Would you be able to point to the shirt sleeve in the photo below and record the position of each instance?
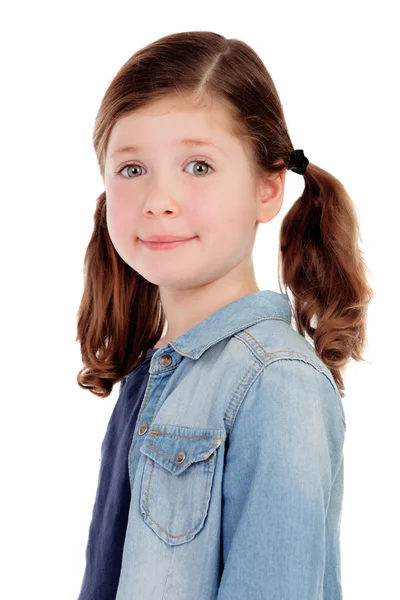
(285, 451)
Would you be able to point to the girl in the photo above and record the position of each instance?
(222, 465)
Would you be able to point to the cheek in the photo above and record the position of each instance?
(120, 221)
(120, 204)
(204, 211)
(195, 218)
(235, 226)
(214, 223)
(114, 214)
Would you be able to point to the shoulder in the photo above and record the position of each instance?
(291, 417)
(286, 372)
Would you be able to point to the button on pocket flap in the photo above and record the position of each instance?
(175, 447)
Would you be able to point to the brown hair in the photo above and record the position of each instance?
(120, 315)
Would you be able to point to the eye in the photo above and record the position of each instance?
(131, 164)
(126, 166)
(200, 162)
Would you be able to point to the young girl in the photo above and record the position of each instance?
(222, 465)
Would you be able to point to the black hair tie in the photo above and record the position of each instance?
(298, 162)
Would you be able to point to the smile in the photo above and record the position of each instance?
(164, 245)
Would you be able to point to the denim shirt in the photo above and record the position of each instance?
(236, 464)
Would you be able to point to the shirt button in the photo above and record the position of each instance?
(143, 428)
(165, 360)
(180, 457)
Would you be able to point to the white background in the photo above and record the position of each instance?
(336, 69)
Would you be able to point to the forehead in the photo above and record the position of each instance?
(173, 122)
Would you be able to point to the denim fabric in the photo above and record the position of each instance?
(236, 465)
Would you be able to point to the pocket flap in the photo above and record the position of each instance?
(175, 447)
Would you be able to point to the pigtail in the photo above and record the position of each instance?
(120, 315)
(322, 264)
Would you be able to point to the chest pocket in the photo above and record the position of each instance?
(177, 479)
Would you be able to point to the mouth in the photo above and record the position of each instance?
(165, 245)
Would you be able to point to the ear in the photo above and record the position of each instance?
(270, 196)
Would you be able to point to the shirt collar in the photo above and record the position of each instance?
(233, 317)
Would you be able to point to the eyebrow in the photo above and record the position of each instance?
(185, 142)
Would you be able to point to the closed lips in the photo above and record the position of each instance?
(167, 239)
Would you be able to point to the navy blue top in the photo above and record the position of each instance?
(111, 507)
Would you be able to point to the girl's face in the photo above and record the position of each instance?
(167, 190)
